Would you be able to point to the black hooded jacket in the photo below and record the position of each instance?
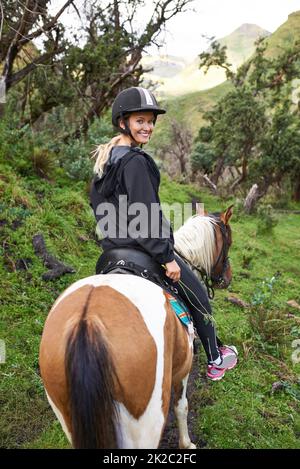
(129, 178)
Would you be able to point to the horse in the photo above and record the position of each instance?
(112, 349)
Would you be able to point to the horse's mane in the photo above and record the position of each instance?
(195, 240)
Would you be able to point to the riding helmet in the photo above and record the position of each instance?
(132, 100)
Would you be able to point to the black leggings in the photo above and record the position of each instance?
(198, 299)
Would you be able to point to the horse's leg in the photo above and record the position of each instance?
(181, 412)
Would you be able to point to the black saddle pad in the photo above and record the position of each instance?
(129, 257)
(137, 262)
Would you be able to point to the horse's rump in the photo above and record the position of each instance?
(120, 324)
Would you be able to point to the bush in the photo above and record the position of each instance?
(202, 158)
(76, 157)
(16, 146)
(267, 219)
(267, 317)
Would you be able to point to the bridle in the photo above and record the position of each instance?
(214, 279)
(219, 279)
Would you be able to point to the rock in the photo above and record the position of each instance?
(237, 301)
(293, 304)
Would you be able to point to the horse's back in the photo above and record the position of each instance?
(131, 313)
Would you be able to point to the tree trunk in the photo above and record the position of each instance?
(210, 184)
(296, 193)
(2, 96)
(243, 176)
(1, 110)
(218, 170)
(254, 195)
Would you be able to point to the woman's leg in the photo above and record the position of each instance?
(197, 301)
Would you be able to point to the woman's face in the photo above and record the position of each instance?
(141, 125)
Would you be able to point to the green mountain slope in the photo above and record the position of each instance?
(285, 35)
(176, 76)
(240, 44)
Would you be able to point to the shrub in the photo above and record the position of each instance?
(267, 317)
(76, 158)
(267, 219)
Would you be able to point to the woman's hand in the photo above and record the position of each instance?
(173, 270)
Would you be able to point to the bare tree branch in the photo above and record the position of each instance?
(48, 26)
(211, 185)
(18, 76)
(101, 100)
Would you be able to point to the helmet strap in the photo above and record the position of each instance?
(127, 130)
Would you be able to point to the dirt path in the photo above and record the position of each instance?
(170, 437)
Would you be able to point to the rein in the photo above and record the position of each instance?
(206, 279)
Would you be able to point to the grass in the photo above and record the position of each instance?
(252, 415)
(243, 404)
(284, 36)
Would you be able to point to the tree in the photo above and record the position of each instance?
(216, 56)
(87, 77)
(202, 158)
(254, 126)
(278, 153)
(236, 123)
(21, 24)
(121, 50)
(175, 153)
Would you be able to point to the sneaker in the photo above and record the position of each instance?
(214, 373)
(229, 356)
(229, 360)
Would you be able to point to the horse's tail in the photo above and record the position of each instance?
(90, 379)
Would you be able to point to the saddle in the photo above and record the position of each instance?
(124, 260)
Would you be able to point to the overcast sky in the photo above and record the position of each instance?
(210, 18)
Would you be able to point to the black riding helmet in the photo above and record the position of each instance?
(132, 100)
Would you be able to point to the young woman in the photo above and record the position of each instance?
(134, 113)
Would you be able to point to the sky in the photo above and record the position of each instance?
(184, 36)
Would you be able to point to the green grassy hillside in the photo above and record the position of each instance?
(254, 412)
(284, 36)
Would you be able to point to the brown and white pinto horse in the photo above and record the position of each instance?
(112, 348)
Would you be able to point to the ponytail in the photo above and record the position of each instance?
(102, 154)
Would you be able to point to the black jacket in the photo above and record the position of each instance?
(136, 176)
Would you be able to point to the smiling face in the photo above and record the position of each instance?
(141, 125)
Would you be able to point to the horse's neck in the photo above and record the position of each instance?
(195, 240)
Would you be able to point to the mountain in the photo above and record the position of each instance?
(164, 66)
(190, 107)
(175, 76)
(240, 43)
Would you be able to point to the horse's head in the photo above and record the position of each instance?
(203, 242)
(221, 270)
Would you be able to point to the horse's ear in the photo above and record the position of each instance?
(200, 210)
(225, 216)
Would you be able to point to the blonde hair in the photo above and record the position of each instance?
(101, 154)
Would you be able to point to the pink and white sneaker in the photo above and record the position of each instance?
(228, 354)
